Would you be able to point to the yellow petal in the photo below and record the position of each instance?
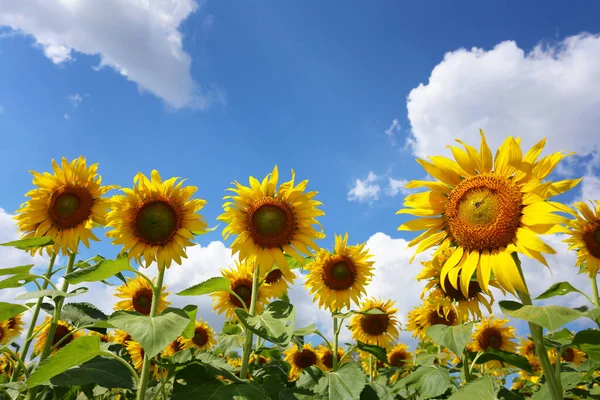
(467, 271)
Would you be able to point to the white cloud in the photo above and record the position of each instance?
(590, 188)
(9, 256)
(365, 190)
(392, 131)
(140, 39)
(66, 116)
(75, 99)
(552, 91)
(396, 186)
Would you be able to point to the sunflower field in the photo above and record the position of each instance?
(477, 217)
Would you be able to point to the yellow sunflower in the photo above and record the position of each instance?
(421, 317)
(526, 347)
(339, 278)
(277, 282)
(5, 334)
(63, 330)
(399, 356)
(494, 333)
(64, 206)
(301, 359)
(104, 337)
(138, 296)
(269, 221)
(204, 337)
(241, 284)
(488, 209)
(585, 236)
(136, 351)
(174, 347)
(15, 325)
(155, 220)
(325, 354)
(262, 360)
(120, 337)
(569, 355)
(379, 329)
(365, 362)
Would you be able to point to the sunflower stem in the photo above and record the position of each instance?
(36, 313)
(249, 335)
(334, 354)
(537, 334)
(145, 374)
(370, 368)
(595, 291)
(466, 366)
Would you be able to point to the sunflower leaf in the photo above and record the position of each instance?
(558, 289)
(377, 351)
(492, 354)
(189, 330)
(426, 382)
(347, 382)
(216, 284)
(275, 323)
(29, 244)
(105, 372)
(374, 311)
(588, 341)
(82, 314)
(207, 230)
(454, 338)
(23, 269)
(307, 330)
(549, 317)
(8, 310)
(482, 388)
(103, 269)
(17, 281)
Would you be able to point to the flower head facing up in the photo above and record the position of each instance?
(380, 328)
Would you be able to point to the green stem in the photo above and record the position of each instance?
(475, 360)
(466, 366)
(145, 374)
(335, 343)
(247, 349)
(136, 378)
(18, 360)
(595, 291)
(557, 365)
(370, 368)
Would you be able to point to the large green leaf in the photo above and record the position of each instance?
(153, 333)
(82, 314)
(559, 338)
(482, 388)
(549, 317)
(105, 372)
(8, 310)
(275, 323)
(346, 383)
(379, 352)
(309, 378)
(17, 281)
(568, 379)
(374, 311)
(53, 294)
(588, 341)
(29, 244)
(307, 330)
(75, 353)
(492, 354)
(426, 382)
(103, 269)
(23, 269)
(216, 284)
(454, 338)
(190, 329)
(558, 289)
(230, 337)
(377, 391)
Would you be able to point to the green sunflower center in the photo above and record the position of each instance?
(339, 274)
(375, 324)
(200, 337)
(156, 222)
(67, 204)
(305, 358)
(142, 301)
(271, 222)
(70, 206)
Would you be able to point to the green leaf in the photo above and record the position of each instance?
(482, 388)
(454, 338)
(588, 341)
(105, 372)
(8, 310)
(347, 382)
(29, 244)
(549, 317)
(230, 341)
(568, 379)
(75, 353)
(377, 351)
(17, 281)
(559, 338)
(82, 314)
(426, 381)
(558, 289)
(153, 333)
(217, 284)
(24, 269)
(377, 391)
(103, 269)
(374, 311)
(307, 330)
(492, 354)
(53, 294)
(309, 378)
(190, 330)
(295, 264)
(204, 232)
(275, 323)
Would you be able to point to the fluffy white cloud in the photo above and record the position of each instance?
(140, 39)
(75, 99)
(553, 91)
(365, 190)
(590, 188)
(396, 186)
(9, 256)
(392, 131)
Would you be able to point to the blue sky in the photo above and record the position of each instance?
(312, 86)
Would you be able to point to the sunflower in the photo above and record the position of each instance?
(136, 351)
(174, 347)
(5, 334)
(301, 359)
(585, 236)
(399, 356)
(262, 360)
(6, 365)
(494, 333)
(204, 337)
(277, 282)
(64, 206)
(269, 221)
(365, 362)
(137, 293)
(155, 220)
(241, 284)
(379, 329)
(325, 354)
(421, 317)
(526, 347)
(15, 325)
(120, 337)
(488, 209)
(63, 330)
(339, 278)
(569, 355)
(104, 337)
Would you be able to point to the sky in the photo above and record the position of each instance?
(347, 94)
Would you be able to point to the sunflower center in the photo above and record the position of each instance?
(483, 212)
(375, 324)
(200, 337)
(490, 337)
(568, 354)
(305, 358)
(437, 317)
(398, 358)
(156, 222)
(339, 274)
(2, 333)
(274, 276)
(591, 237)
(59, 334)
(70, 206)
(456, 294)
(176, 345)
(11, 323)
(244, 291)
(142, 301)
(327, 359)
(271, 222)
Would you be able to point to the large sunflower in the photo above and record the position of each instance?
(399, 356)
(278, 281)
(241, 284)
(585, 236)
(300, 359)
(379, 329)
(326, 356)
(421, 317)
(204, 337)
(64, 206)
(63, 330)
(488, 209)
(526, 347)
(339, 278)
(494, 333)
(174, 347)
(569, 355)
(269, 221)
(138, 296)
(155, 220)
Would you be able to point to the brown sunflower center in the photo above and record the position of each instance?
(70, 206)
(483, 212)
(59, 334)
(375, 324)
(568, 354)
(456, 294)
(490, 337)
(591, 237)
(274, 276)
(2, 333)
(271, 222)
(305, 358)
(142, 301)
(398, 358)
(339, 274)
(327, 359)
(243, 288)
(200, 337)
(156, 222)
(11, 323)
(437, 317)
